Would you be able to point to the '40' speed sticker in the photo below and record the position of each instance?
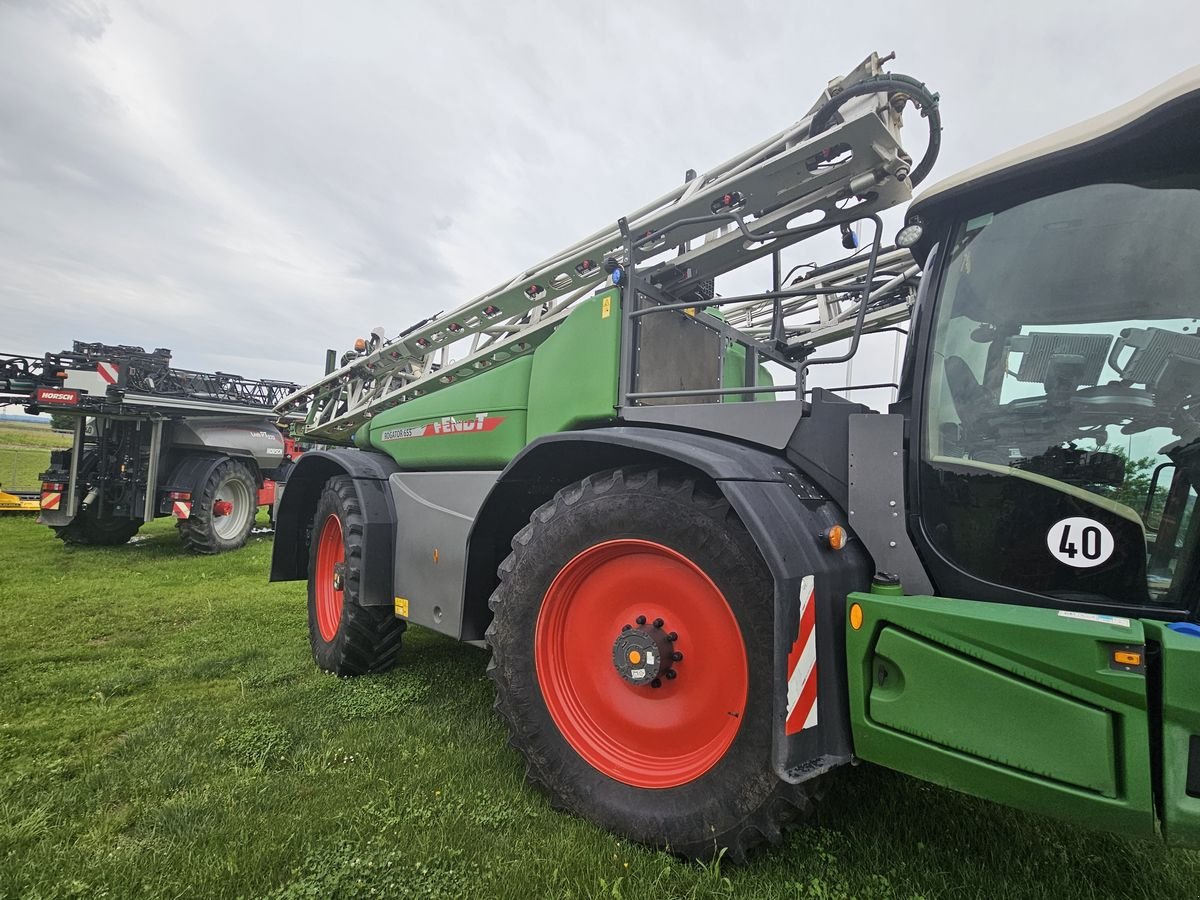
(1080, 542)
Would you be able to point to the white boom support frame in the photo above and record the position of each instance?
(787, 182)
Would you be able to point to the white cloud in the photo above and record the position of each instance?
(249, 183)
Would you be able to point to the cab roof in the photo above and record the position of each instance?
(1074, 146)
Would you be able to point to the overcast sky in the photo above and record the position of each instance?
(248, 183)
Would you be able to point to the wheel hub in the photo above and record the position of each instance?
(222, 508)
(339, 576)
(645, 654)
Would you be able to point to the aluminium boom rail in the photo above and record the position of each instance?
(842, 163)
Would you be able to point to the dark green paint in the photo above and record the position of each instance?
(574, 379)
(503, 393)
(567, 381)
(909, 695)
(1011, 703)
(1180, 664)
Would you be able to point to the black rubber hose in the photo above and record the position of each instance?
(925, 99)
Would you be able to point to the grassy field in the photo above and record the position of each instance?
(163, 733)
(25, 453)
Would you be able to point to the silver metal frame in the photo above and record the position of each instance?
(850, 170)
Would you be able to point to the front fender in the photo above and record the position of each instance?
(294, 517)
(785, 512)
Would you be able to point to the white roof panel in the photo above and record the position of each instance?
(1077, 135)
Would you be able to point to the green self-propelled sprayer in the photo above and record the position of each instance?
(706, 585)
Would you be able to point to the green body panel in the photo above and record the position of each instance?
(1180, 661)
(569, 381)
(910, 696)
(574, 380)
(478, 423)
(1011, 703)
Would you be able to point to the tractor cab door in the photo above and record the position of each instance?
(1053, 468)
(1036, 708)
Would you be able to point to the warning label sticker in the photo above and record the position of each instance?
(1092, 617)
(445, 425)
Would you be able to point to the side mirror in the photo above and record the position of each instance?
(1152, 511)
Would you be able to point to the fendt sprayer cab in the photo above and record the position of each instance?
(706, 585)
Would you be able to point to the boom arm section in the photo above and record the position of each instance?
(101, 378)
(842, 161)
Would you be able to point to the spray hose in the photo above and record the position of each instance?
(896, 86)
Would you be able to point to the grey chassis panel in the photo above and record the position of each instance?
(435, 512)
(877, 502)
(258, 439)
(768, 423)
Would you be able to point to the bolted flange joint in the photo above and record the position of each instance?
(644, 654)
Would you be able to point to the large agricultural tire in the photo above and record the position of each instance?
(347, 638)
(97, 531)
(683, 764)
(223, 510)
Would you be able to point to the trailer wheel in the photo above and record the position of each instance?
(347, 638)
(632, 646)
(223, 510)
(97, 531)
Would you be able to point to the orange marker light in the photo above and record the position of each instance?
(1127, 658)
(836, 537)
(635, 657)
(856, 616)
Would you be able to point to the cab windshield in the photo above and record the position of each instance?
(1060, 455)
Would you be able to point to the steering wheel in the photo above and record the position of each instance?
(1033, 421)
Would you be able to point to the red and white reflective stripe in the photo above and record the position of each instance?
(181, 509)
(107, 371)
(802, 665)
(51, 499)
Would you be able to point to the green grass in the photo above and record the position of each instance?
(163, 733)
(25, 453)
(20, 469)
(33, 434)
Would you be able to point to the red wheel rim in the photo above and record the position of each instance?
(640, 735)
(331, 551)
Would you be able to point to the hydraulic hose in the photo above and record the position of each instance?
(923, 98)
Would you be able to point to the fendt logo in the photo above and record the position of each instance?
(57, 396)
(445, 425)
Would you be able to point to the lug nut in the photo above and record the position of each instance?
(626, 627)
(658, 623)
(677, 656)
(657, 682)
(672, 637)
(672, 674)
(641, 620)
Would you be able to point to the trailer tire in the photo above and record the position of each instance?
(90, 530)
(347, 638)
(214, 527)
(693, 775)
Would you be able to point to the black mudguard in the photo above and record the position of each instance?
(294, 518)
(785, 513)
(191, 473)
